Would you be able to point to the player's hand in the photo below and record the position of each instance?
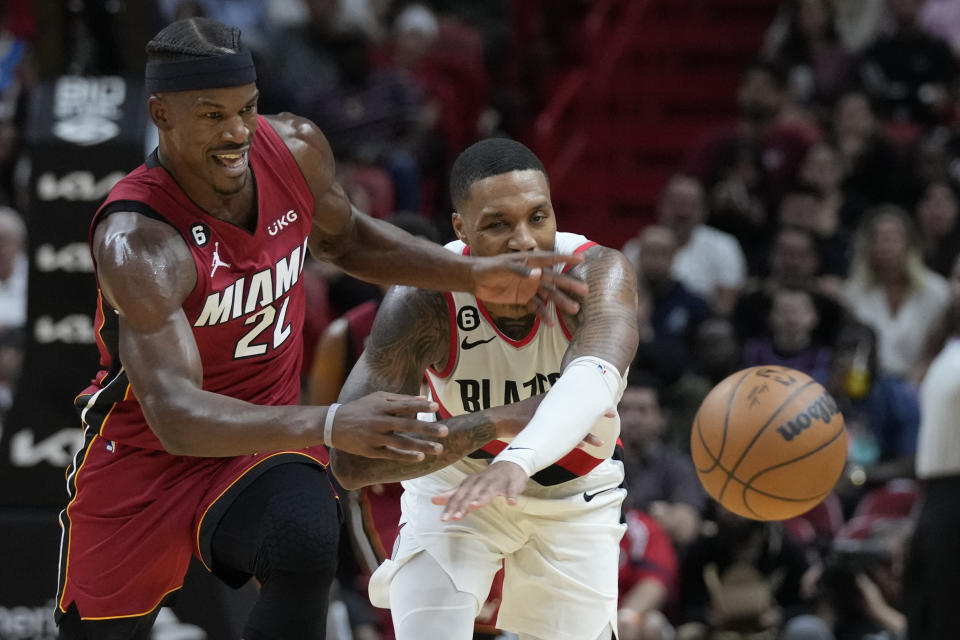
(499, 479)
(527, 278)
(384, 425)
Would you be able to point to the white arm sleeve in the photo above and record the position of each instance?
(588, 388)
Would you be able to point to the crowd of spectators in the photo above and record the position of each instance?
(819, 230)
(822, 222)
(17, 77)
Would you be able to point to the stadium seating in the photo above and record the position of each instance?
(656, 78)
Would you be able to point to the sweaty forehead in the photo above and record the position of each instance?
(507, 191)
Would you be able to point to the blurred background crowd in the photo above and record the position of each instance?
(785, 177)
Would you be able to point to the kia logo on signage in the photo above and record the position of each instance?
(76, 185)
(56, 449)
(86, 110)
(73, 329)
(27, 621)
(74, 257)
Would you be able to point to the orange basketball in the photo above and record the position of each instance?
(768, 443)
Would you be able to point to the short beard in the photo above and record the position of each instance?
(516, 328)
(232, 192)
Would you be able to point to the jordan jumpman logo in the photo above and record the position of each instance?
(217, 262)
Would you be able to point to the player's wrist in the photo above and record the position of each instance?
(510, 419)
(328, 424)
(507, 426)
(470, 273)
(523, 459)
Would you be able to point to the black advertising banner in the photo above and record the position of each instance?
(83, 135)
(205, 609)
(29, 540)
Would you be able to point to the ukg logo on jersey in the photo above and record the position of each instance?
(281, 222)
(86, 111)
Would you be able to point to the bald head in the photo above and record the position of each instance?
(682, 206)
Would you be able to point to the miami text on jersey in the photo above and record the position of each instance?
(246, 295)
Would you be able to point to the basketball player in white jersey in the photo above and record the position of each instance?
(491, 369)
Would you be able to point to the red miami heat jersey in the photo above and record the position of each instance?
(486, 368)
(247, 308)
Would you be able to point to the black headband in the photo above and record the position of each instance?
(230, 70)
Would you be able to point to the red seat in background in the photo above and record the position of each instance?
(896, 499)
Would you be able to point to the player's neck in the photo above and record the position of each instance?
(513, 321)
(238, 208)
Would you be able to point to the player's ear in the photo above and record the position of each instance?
(158, 112)
(458, 229)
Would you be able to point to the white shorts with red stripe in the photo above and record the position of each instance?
(559, 549)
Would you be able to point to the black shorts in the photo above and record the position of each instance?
(234, 541)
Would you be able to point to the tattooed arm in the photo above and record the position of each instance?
(411, 333)
(604, 336)
(606, 326)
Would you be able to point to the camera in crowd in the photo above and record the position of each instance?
(857, 556)
(845, 560)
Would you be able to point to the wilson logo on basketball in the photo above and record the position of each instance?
(823, 408)
(739, 451)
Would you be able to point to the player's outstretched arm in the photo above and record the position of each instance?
(379, 252)
(606, 325)
(604, 342)
(145, 272)
(411, 333)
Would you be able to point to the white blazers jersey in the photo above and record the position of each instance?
(486, 368)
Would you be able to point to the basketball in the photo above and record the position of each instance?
(768, 443)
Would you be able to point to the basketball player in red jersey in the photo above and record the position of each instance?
(493, 368)
(193, 440)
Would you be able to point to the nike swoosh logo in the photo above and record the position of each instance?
(466, 344)
(590, 496)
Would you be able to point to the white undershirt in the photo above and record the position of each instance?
(901, 336)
